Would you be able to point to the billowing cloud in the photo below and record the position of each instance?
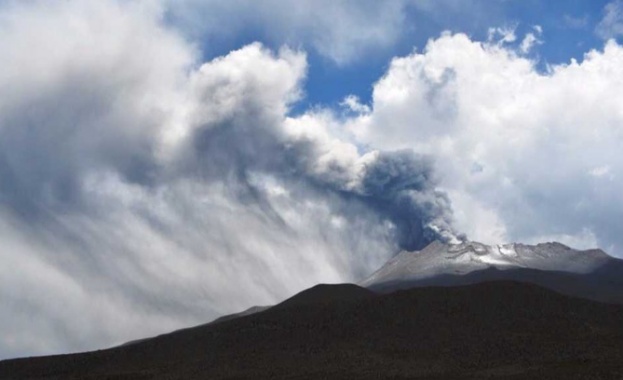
(524, 155)
(143, 191)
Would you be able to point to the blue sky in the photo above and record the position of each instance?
(163, 162)
(569, 31)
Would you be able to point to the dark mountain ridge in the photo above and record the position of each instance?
(496, 330)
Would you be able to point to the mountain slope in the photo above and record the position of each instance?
(589, 274)
(491, 330)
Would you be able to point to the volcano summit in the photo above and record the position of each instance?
(589, 274)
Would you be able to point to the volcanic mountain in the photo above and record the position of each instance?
(588, 274)
(489, 329)
(495, 330)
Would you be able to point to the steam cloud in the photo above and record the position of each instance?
(142, 192)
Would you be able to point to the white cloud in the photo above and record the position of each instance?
(504, 35)
(531, 39)
(105, 235)
(352, 103)
(341, 30)
(142, 191)
(611, 25)
(512, 146)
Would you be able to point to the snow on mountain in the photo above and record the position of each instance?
(451, 264)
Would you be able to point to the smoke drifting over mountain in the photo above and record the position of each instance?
(142, 191)
(145, 187)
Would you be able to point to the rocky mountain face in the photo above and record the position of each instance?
(493, 330)
(589, 274)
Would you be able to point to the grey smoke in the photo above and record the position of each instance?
(139, 196)
(46, 191)
(398, 186)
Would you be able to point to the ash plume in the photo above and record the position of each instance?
(164, 192)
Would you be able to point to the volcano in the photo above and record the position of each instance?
(591, 274)
(398, 326)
